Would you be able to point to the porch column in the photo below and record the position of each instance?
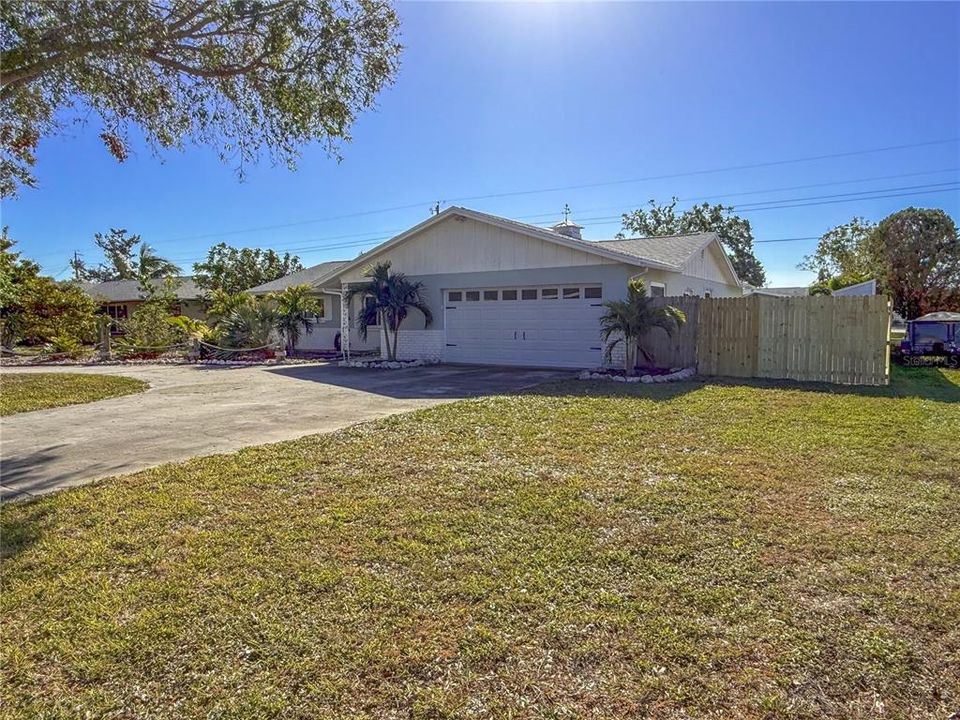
(344, 325)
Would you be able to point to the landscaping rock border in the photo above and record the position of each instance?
(675, 376)
(386, 365)
(158, 361)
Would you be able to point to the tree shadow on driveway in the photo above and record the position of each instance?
(427, 382)
(21, 479)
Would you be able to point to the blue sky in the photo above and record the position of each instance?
(503, 98)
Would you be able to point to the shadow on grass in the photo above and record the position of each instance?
(924, 383)
(21, 529)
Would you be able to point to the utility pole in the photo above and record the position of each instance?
(76, 265)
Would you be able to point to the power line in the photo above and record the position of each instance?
(385, 234)
(589, 222)
(608, 183)
(794, 202)
(861, 192)
(732, 168)
(834, 202)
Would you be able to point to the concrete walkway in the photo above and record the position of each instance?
(197, 410)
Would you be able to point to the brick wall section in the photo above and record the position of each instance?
(418, 345)
(617, 357)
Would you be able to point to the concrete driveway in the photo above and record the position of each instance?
(198, 410)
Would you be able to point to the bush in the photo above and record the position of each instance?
(187, 329)
(149, 326)
(46, 309)
(66, 345)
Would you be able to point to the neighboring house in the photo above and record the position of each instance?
(507, 293)
(865, 288)
(777, 291)
(119, 298)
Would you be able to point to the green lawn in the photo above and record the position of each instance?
(22, 392)
(669, 551)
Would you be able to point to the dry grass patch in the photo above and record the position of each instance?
(675, 551)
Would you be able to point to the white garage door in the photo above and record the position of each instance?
(553, 326)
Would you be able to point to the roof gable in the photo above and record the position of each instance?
(531, 231)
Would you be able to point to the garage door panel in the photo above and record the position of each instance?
(553, 332)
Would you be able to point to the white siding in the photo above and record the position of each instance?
(710, 264)
(464, 245)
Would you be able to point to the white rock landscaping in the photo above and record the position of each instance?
(385, 364)
(674, 376)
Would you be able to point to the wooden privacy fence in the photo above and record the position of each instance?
(820, 338)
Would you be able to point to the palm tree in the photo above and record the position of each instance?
(250, 326)
(628, 320)
(151, 265)
(296, 309)
(387, 298)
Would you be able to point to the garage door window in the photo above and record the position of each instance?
(578, 292)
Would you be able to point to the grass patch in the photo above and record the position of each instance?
(23, 392)
(668, 551)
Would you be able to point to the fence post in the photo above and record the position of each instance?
(104, 327)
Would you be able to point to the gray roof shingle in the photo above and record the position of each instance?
(308, 276)
(668, 249)
(129, 290)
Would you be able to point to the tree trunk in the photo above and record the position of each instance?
(629, 355)
(396, 336)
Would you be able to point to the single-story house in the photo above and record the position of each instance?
(119, 298)
(508, 293)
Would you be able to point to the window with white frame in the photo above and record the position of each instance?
(658, 290)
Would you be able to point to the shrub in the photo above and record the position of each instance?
(66, 345)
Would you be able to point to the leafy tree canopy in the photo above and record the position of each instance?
(36, 308)
(126, 257)
(914, 255)
(234, 270)
(247, 77)
(734, 232)
(14, 271)
(841, 257)
(917, 253)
